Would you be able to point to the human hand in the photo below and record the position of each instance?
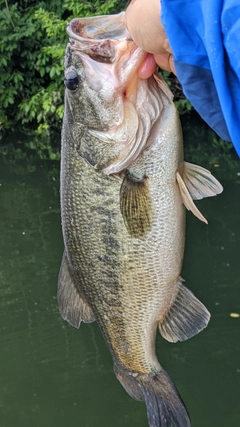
(144, 25)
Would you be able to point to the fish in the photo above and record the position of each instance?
(124, 192)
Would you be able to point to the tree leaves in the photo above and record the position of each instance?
(33, 41)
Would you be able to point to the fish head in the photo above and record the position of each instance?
(107, 106)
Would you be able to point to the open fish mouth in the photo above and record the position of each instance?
(111, 60)
(97, 28)
(106, 39)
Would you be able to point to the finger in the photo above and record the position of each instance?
(144, 25)
(165, 61)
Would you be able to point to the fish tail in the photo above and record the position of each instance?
(165, 407)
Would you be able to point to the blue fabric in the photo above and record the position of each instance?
(205, 39)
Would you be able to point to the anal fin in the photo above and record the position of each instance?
(186, 317)
(71, 305)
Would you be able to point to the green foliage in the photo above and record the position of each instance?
(92, 8)
(182, 104)
(33, 41)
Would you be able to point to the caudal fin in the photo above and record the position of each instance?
(165, 407)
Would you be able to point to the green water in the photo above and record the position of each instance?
(52, 375)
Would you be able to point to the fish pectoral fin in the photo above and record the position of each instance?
(187, 199)
(186, 317)
(200, 182)
(136, 205)
(71, 305)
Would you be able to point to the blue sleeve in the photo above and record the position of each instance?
(205, 39)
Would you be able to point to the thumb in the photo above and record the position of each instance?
(165, 61)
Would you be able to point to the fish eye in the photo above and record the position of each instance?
(71, 80)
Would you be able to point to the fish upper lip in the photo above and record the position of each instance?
(79, 29)
(75, 36)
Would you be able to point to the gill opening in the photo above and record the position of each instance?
(148, 112)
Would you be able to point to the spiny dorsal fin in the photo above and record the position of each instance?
(135, 204)
(187, 199)
(71, 306)
(200, 182)
(186, 317)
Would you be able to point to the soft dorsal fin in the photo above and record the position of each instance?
(196, 183)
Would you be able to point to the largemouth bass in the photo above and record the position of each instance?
(124, 185)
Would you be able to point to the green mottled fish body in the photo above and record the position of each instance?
(124, 185)
(129, 282)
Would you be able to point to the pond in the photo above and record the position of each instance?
(52, 375)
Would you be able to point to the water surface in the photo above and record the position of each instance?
(52, 375)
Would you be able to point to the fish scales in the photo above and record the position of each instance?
(120, 277)
(124, 184)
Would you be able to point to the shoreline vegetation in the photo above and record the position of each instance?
(33, 42)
